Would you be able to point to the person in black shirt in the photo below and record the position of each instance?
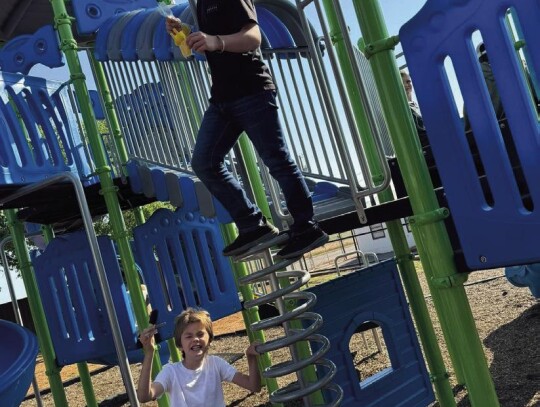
(243, 98)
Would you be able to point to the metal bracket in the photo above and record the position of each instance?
(429, 217)
(380, 46)
(405, 258)
(454, 280)
(438, 377)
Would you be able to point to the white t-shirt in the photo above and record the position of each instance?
(196, 388)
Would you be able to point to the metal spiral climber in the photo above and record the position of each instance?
(300, 325)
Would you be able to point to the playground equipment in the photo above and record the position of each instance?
(17, 362)
(378, 297)
(153, 98)
(301, 324)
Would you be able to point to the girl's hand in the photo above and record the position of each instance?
(172, 24)
(147, 337)
(251, 351)
(201, 42)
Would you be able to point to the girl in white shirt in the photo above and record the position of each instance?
(196, 380)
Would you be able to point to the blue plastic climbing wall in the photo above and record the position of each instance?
(40, 133)
(375, 295)
(73, 301)
(182, 265)
(499, 227)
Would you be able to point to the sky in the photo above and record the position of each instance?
(396, 13)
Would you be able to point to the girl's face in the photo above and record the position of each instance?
(195, 341)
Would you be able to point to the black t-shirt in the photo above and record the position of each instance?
(234, 75)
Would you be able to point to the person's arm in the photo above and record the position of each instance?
(247, 39)
(148, 390)
(251, 381)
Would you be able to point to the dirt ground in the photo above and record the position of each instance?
(507, 318)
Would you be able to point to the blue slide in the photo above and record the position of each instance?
(17, 362)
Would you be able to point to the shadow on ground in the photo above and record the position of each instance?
(516, 358)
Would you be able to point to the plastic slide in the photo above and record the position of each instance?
(17, 362)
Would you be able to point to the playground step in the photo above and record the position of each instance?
(182, 190)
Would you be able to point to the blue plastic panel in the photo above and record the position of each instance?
(177, 187)
(287, 13)
(73, 301)
(275, 31)
(23, 52)
(145, 37)
(129, 35)
(182, 265)
(114, 40)
(91, 14)
(374, 294)
(50, 142)
(134, 178)
(143, 33)
(503, 232)
(102, 39)
(17, 362)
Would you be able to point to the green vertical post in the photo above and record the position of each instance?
(193, 107)
(427, 223)
(387, 44)
(52, 370)
(123, 156)
(409, 277)
(82, 367)
(253, 175)
(114, 124)
(108, 190)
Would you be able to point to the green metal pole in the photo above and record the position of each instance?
(193, 109)
(388, 43)
(82, 367)
(427, 224)
(123, 156)
(409, 277)
(114, 124)
(252, 169)
(108, 190)
(52, 370)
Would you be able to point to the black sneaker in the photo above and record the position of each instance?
(303, 242)
(247, 240)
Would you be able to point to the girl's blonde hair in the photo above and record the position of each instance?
(188, 316)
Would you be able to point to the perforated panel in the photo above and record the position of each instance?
(73, 301)
(181, 261)
(495, 209)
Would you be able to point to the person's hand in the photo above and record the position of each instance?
(201, 42)
(251, 351)
(147, 337)
(172, 24)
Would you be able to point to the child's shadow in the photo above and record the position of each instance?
(516, 359)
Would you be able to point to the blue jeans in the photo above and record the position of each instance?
(221, 127)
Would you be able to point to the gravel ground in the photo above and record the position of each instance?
(508, 322)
